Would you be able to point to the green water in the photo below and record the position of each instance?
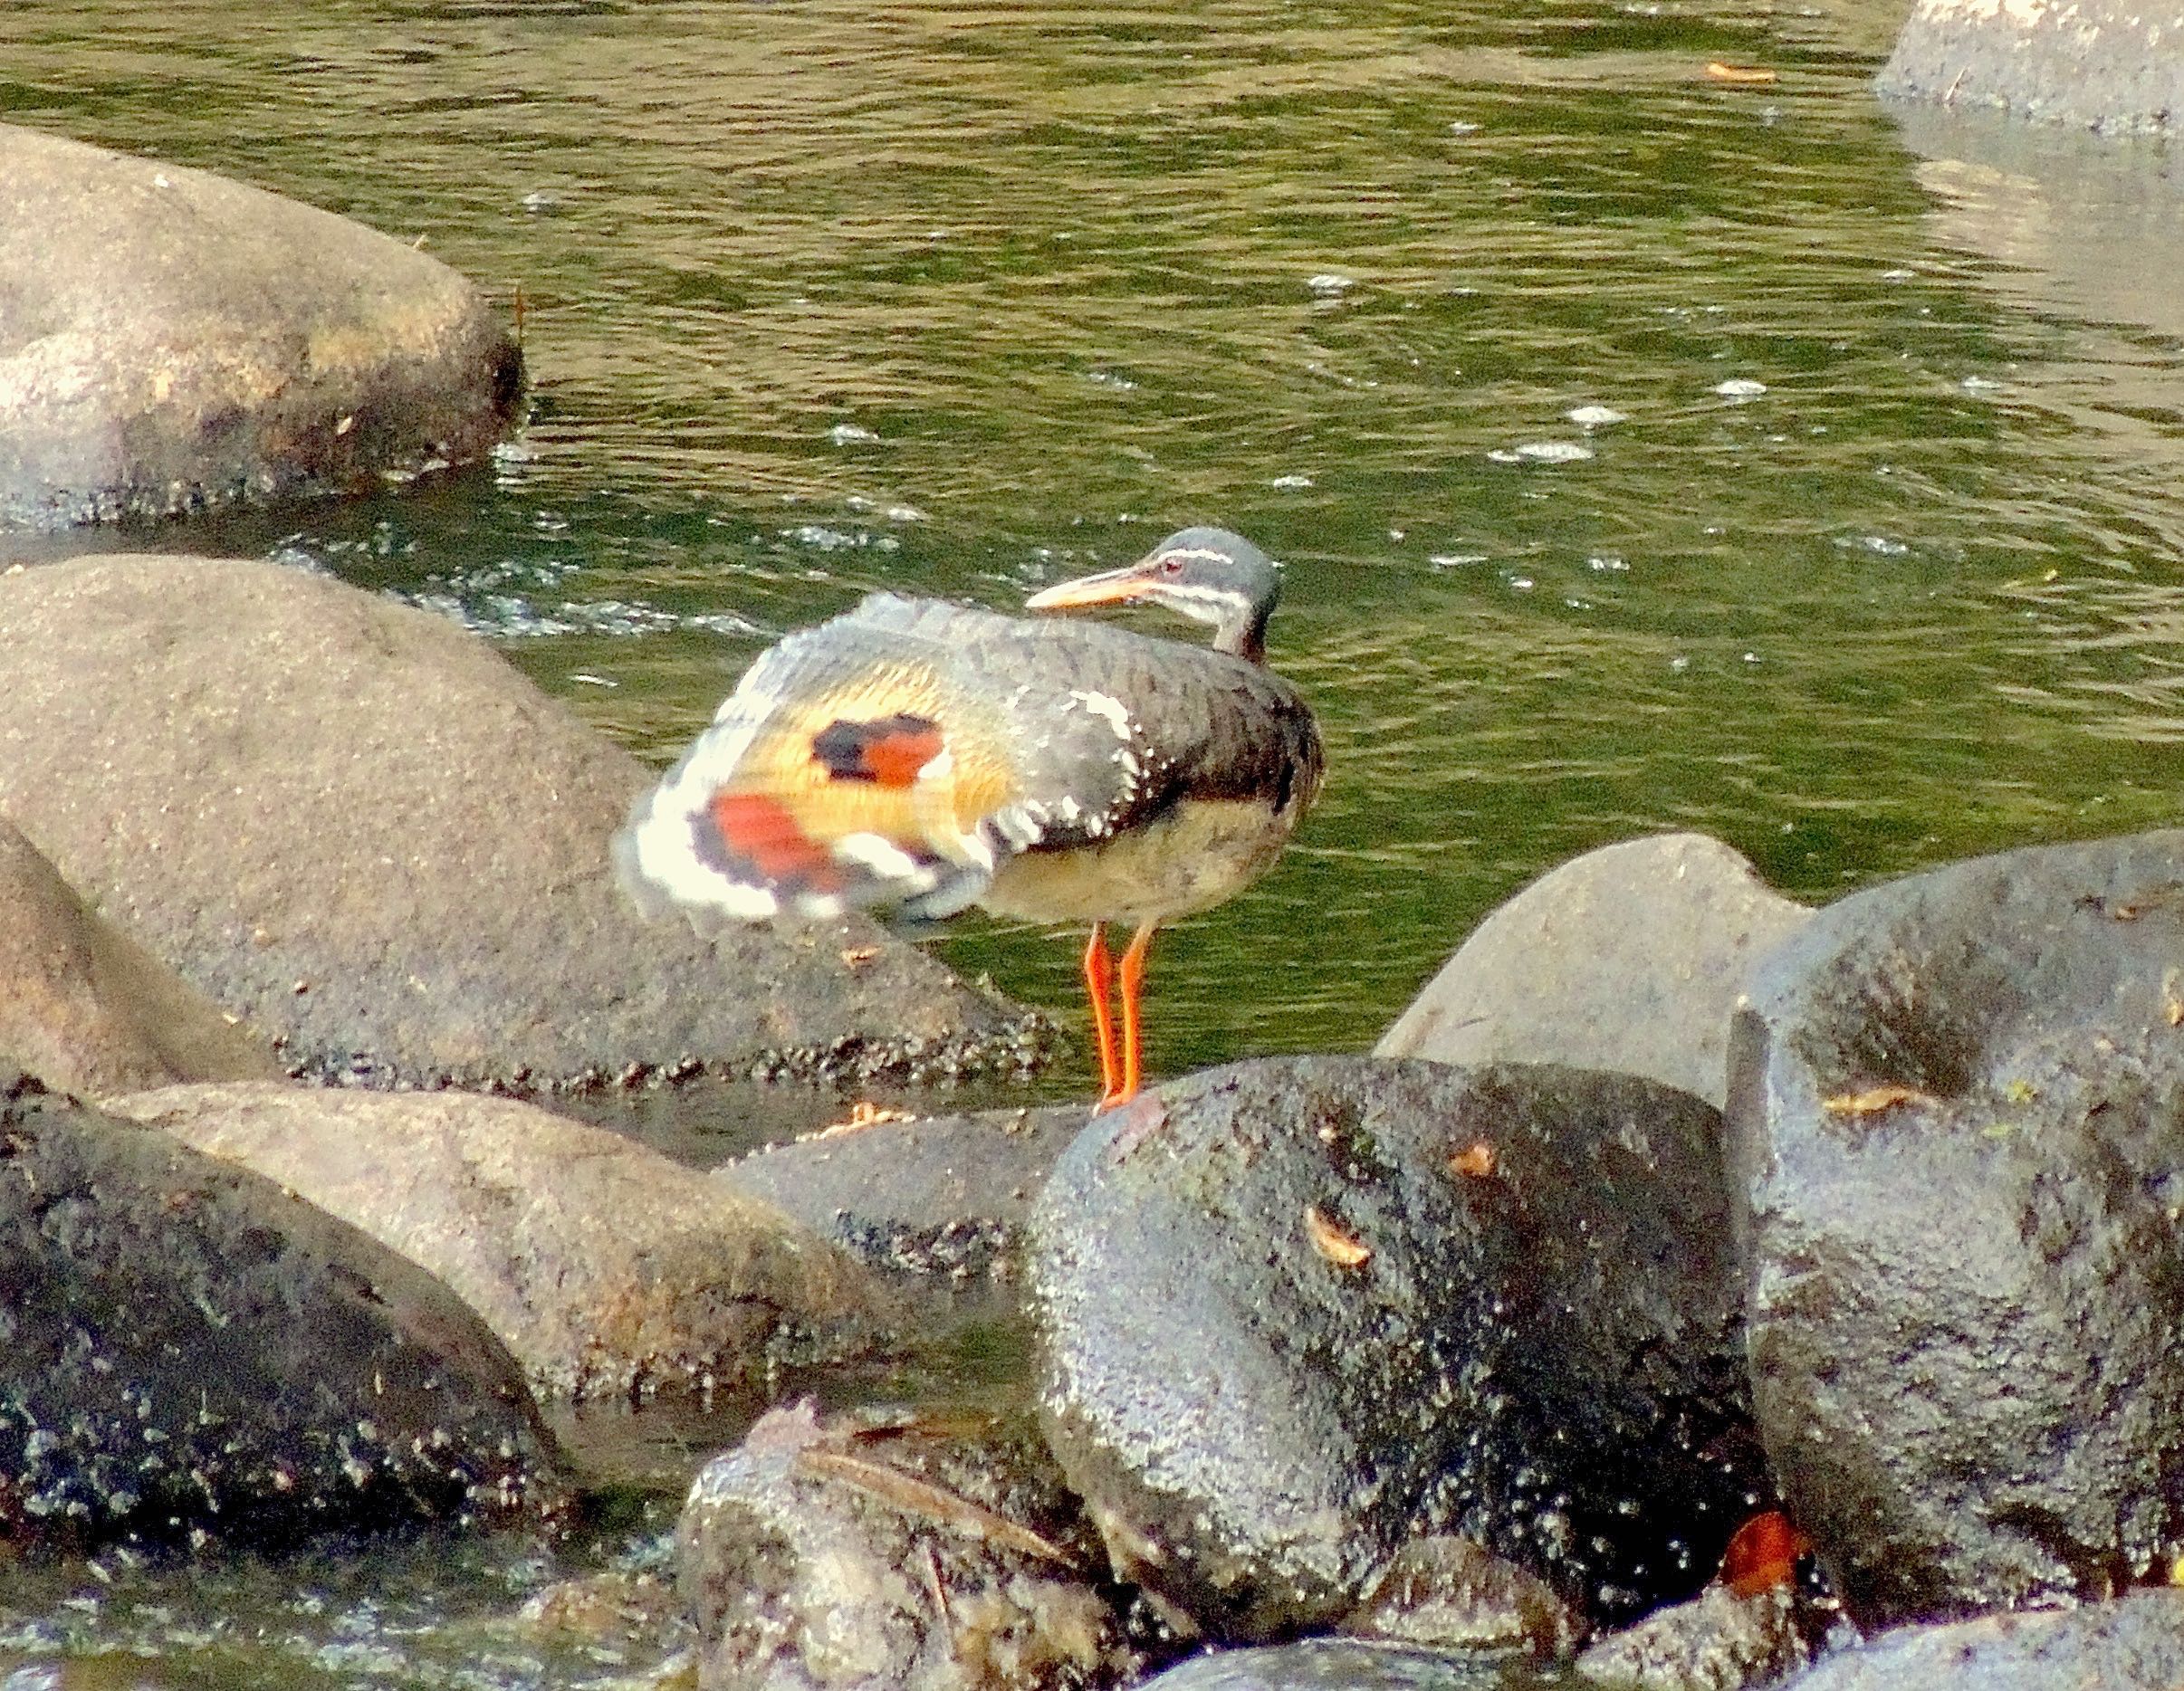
(819, 297)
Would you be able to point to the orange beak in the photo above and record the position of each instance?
(1111, 586)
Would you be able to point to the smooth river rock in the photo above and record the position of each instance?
(2112, 65)
(87, 1009)
(1957, 1125)
(187, 1351)
(172, 341)
(943, 1196)
(1629, 958)
(2135, 1643)
(358, 827)
(601, 1265)
(1295, 1313)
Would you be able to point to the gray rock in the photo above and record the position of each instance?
(1629, 958)
(602, 1266)
(1337, 1665)
(906, 1559)
(185, 1349)
(1296, 1312)
(2111, 65)
(1444, 1593)
(87, 1009)
(1957, 1125)
(942, 1195)
(1718, 1642)
(357, 825)
(2135, 1643)
(173, 341)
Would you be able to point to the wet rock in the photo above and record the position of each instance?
(176, 341)
(602, 1266)
(2111, 65)
(358, 826)
(943, 1196)
(1718, 1642)
(1332, 1665)
(186, 1350)
(86, 1009)
(1296, 1312)
(1629, 958)
(2135, 1643)
(1448, 1593)
(1957, 1124)
(906, 1558)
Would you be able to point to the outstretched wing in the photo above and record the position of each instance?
(896, 755)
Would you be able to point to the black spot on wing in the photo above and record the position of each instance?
(888, 750)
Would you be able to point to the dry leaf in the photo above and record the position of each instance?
(1746, 75)
(1763, 1553)
(1343, 1249)
(912, 1495)
(1873, 1100)
(2172, 1000)
(863, 1115)
(1475, 1159)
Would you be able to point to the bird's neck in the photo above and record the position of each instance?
(1242, 634)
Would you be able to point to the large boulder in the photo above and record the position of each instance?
(1628, 958)
(1957, 1127)
(358, 826)
(171, 340)
(1295, 1313)
(186, 1350)
(2112, 65)
(87, 1009)
(602, 1266)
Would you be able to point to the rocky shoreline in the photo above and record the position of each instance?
(1692, 1291)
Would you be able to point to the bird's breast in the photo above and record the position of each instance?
(1191, 857)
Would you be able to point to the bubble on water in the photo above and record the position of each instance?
(1740, 388)
(1522, 584)
(1903, 273)
(1980, 385)
(1456, 560)
(1462, 127)
(1329, 285)
(848, 434)
(1289, 482)
(1680, 663)
(1109, 378)
(1544, 451)
(1607, 563)
(1594, 416)
(904, 513)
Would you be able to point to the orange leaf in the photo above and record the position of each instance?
(1747, 75)
(1345, 1250)
(1763, 1553)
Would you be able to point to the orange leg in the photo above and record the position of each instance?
(1133, 1041)
(1099, 976)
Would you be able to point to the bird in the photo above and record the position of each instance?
(928, 755)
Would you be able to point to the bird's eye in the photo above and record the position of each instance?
(1171, 566)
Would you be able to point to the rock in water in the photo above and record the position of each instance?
(1630, 957)
(87, 1009)
(358, 826)
(186, 1350)
(1295, 1313)
(602, 1266)
(2111, 65)
(1957, 1123)
(2135, 1643)
(175, 341)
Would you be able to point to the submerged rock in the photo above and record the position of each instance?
(944, 1196)
(1296, 1312)
(1444, 1592)
(1629, 958)
(602, 1266)
(176, 341)
(1957, 1125)
(1332, 1665)
(909, 1558)
(186, 1350)
(1720, 1640)
(2135, 1643)
(357, 825)
(87, 1009)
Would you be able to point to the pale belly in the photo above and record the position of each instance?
(1196, 856)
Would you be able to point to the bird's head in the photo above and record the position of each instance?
(1207, 574)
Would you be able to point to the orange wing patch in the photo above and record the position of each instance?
(760, 842)
(889, 751)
